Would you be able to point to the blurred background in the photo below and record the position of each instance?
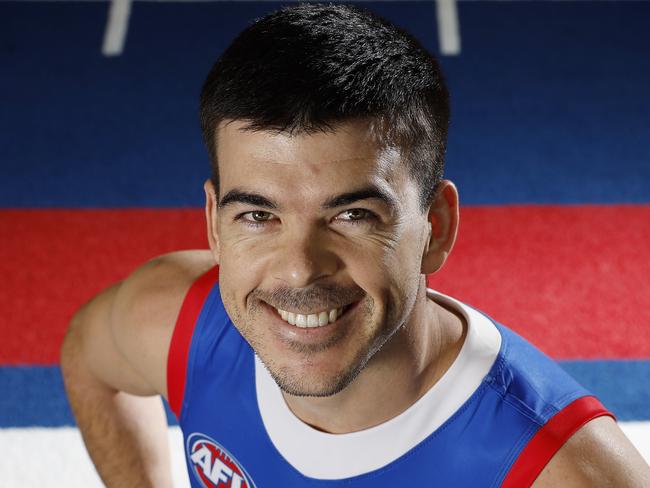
(102, 165)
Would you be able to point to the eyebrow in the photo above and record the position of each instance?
(366, 193)
(255, 199)
(250, 198)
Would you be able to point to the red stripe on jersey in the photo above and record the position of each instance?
(548, 440)
(179, 348)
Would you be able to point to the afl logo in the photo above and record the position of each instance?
(213, 466)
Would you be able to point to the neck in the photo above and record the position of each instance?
(413, 360)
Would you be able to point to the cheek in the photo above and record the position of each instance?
(391, 276)
(397, 264)
(243, 250)
(239, 274)
(407, 259)
(246, 249)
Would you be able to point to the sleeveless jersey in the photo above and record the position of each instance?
(495, 418)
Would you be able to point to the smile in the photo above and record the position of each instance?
(318, 319)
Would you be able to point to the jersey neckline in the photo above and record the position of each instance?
(326, 456)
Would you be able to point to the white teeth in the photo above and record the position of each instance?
(311, 320)
(301, 320)
(323, 319)
(332, 315)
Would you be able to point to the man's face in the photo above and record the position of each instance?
(321, 230)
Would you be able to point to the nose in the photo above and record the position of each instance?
(303, 258)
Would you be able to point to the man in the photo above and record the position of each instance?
(314, 355)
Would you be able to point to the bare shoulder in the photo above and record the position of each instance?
(146, 307)
(599, 454)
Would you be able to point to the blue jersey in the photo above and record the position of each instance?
(495, 418)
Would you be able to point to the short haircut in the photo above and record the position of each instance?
(308, 67)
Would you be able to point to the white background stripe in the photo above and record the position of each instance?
(117, 25)
(448, 27)
(38, 457)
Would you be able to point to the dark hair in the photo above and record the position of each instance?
(306, 68)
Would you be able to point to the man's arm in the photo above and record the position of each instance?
(599, 455)
(114, 361)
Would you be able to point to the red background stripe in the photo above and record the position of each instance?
(574, 280)
(55, 260)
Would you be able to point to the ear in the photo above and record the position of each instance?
(443, 218)
(211, 218)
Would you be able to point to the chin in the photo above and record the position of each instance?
(296, 381)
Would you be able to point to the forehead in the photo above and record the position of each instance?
(319, 163)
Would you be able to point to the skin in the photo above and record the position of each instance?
(305, 252)
(365, 254)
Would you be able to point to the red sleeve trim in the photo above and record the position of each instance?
(548, 440)
(179, 348)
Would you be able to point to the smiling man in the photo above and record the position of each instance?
(304, 349)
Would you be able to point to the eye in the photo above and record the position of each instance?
(256, 218)
(356, 216)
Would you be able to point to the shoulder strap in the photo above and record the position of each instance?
(179, 347)
(549, 438)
